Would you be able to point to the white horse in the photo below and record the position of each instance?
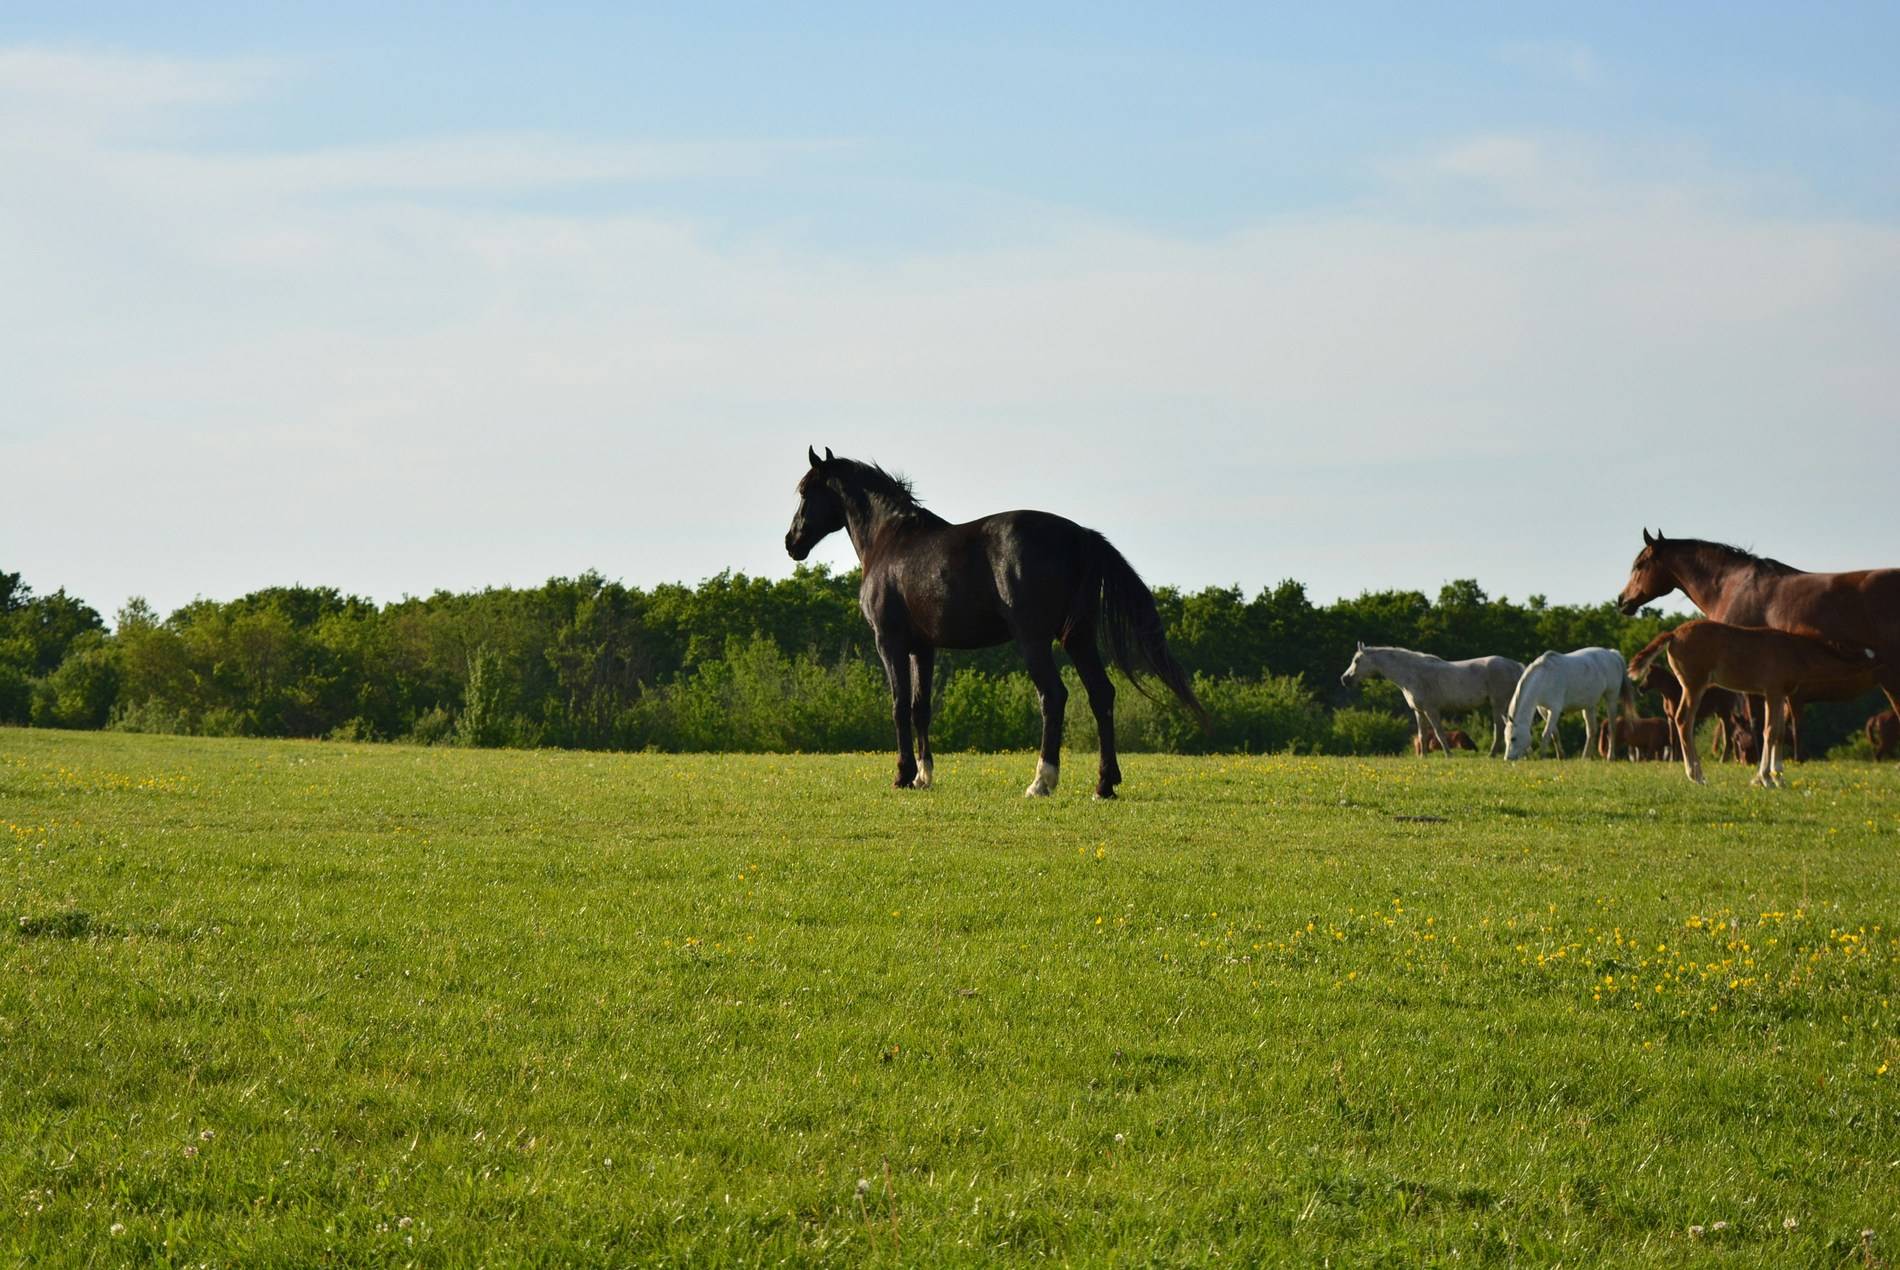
(1433, 685)
(1590, 679)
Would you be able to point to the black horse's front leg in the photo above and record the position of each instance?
(897, 671)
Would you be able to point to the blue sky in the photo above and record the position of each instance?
(392, 298)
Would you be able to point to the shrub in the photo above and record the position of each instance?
(1359, 731)
(149, 716)
(434, 726)
(978, 711)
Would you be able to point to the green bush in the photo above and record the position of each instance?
(984, 712)
(434, 726)
(1359, 731)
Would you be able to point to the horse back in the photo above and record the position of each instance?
(975, 584)
(1860, 607)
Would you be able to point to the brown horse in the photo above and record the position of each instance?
(1718, 703)
(1860, 609)
(1743, 743)
(1638, 737)
(1754, 659)
(1455, 736)
(1883, 733)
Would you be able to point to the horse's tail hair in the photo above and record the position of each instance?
(1131, 626)
(1639, 664)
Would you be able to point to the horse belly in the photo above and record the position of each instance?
(967, 631)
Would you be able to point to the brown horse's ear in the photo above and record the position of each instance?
(1659, 533)
(813, 456)
(1647, 540)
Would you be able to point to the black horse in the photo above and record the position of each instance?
(1024, 576)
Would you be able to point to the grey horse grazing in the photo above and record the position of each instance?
(1433, 685)
(1589, 679)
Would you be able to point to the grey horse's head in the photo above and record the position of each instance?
(1356, 671)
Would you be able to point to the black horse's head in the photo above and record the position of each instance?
(820, 509)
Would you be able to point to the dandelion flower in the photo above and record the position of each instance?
(864, 1187)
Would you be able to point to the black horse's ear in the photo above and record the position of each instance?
(1647, 540)
(813, 456)
(1659, 533)
(827, 454)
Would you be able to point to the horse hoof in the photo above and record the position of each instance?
(923, 779)
(1104, 792)
(1036, 790)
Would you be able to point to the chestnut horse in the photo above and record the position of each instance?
(1726, 707)
(1883, 733)
(1641, 738)
(1774, 664)
(1861, 609)
(1456, 738)
(1025, 576)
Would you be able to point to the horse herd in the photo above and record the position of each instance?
(1774, 633)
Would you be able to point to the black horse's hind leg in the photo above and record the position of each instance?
(1088, 664)
(1055, 697)
(897, 670)
(922, 663)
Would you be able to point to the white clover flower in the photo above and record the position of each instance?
(1789, 1223)
(118, 1228)
(404, 1223)
(1695, 1232)
(864, 1187)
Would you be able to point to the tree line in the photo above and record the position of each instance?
(734, 663)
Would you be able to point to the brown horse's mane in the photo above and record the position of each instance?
(1734, 555)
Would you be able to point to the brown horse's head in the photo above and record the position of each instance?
(1650, 576)
(820, 509)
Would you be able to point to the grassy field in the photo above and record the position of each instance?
(302, 1003)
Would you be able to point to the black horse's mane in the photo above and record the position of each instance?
(874, 480)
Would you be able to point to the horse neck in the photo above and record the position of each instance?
(868, 516)
(1388, 660)
(1710, 579)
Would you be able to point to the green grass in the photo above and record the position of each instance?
(297, 1003)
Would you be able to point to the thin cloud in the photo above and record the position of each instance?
(53, 94)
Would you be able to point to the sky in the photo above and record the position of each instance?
(398, 298)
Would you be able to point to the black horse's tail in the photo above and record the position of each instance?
(1130, 626)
